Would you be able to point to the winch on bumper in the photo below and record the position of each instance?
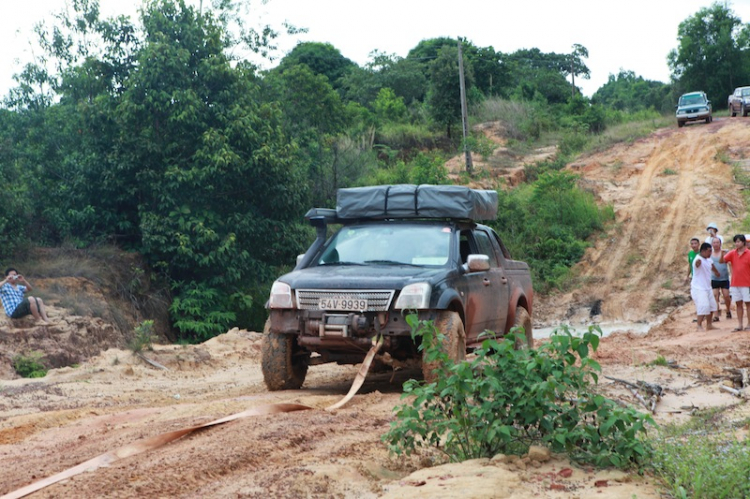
(344, 332)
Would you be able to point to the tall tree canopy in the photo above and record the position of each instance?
(322, 58)
(713, 53)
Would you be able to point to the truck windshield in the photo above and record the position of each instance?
(691, 100)
(389, 244)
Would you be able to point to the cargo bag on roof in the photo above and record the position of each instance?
(416, 201)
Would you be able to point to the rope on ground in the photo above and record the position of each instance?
(151, 443)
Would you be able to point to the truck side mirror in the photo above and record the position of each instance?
(300, 257)
(477, 263)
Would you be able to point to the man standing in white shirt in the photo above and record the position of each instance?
(700, 287)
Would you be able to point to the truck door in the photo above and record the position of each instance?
(487, 301)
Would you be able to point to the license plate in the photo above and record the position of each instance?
(693, 115)
(342, 303)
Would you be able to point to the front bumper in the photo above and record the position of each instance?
(695, 116)
(352, 333)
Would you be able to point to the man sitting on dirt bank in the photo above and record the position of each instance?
(12, 289)
(700, 286)
(739, 287)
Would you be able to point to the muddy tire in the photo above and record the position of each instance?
(680, 124)
(283, 365)
(450, 324)
(523, 319)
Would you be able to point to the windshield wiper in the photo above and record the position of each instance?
(340, 263)
(390, 262)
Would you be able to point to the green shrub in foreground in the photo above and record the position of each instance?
(505, 400)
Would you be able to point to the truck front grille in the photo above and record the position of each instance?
(377, 300)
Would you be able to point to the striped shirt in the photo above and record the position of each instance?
(11, 297)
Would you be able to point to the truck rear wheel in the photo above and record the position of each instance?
(523, 319)
(450, 324)
(284, 366)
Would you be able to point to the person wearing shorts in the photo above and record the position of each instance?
(700, 287)
(16, 305)
(720, 284)
(739, 285)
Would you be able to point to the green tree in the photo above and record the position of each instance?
(322, 58)
(713, 53)
(215, 175)
(313, 115)
(388, 107)
(444, 96)
(576, 66)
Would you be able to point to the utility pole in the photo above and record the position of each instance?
(464, 113)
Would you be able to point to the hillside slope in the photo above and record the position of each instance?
(665, 189)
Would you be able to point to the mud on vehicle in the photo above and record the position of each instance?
(399, 248)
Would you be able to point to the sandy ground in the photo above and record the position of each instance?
(74, 414)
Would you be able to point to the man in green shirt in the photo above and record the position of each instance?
(695, 245)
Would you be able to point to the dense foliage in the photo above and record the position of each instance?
(629, 92)
(503, 400)
(154, 135)
(713, 53)
(548, 221)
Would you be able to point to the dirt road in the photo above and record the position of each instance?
(665, 189)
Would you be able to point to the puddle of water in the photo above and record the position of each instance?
(607, 328)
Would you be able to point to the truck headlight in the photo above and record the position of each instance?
(414, 297)
(281, 295)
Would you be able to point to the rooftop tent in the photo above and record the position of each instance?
(416, 201)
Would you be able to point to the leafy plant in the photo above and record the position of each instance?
(143, 337)
(30, 365)
(660, 360)
(504, 400)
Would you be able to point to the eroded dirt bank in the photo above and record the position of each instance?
(74, 414)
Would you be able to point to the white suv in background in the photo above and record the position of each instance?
(693, 106)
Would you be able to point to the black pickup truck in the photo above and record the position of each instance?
(383, 261)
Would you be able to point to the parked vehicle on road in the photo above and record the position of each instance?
(739, 101)
(693, 106)
(400, 249)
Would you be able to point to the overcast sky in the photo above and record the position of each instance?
(633, 35)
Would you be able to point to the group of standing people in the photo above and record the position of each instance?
(717, 274)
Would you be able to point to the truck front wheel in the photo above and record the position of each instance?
(523, 319)
(450, 324)
(283, 364)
